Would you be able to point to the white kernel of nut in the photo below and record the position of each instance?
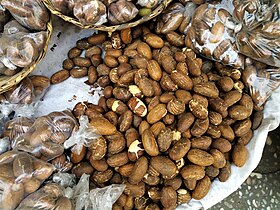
(134, 148)
(140, 103)
(115, 105)
(146, 176)
(236, 71)
(236, 86)
(180, 163)
(182, 191)
(176, 135)
(134, 90)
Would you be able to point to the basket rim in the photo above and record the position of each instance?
(13, 80)
(76, 22)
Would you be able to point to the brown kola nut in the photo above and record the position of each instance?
(149, 143)
(164, 166)
(164, 139)
(168, 197)
(239, 155)
(126, 169)
(116, 143)
(179, 149)
(193, 172)
(200, 157)
(98, 148)
(135, 190)
(139, 170)
(202, 188)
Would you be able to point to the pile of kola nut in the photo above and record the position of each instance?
(170, 121)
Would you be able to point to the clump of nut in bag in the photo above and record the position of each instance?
(17, 106)
(21, 174)
(23, 34)
(109, 12)
(226, 32)
(170, 122)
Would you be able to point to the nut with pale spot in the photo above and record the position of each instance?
(183, 196)
(138, 107)
(176, 107)
(135, 150)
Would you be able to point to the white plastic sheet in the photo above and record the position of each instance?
(67, 94)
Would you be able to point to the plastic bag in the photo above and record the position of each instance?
(90, 12)
(16, 128)
(212, 34)
(64, 6)
(18, 51)
(62, 163)
(21, 175)
(22, 100)
(13, 27)
(84, 136)
(176, 17)
(4, 17)
(121, 11)
(4, 145)
(29, 13)
(49, 197)
(261, 80)
(64, 179)
(19, 48)
(104, 198)
(97, 199)
(45, 138)
(223, 32)
(80, 194)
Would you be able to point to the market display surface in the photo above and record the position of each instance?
(138, 119)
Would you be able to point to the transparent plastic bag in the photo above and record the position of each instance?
(222, 32)
(80, 194)
(84, 136)
(62, 163)
(64, 6)
(98, 198)
(5, 145)
(121, 11)
(171, 18)
(49, 197)
(212, 34)
(64, 179)
(104, 198)
(29, 13)
(13, 27)
(45, 138)
(20, 175)
(177, 16)
(16, 127)
(19, 48)
(22, 99)
(261, 80)
(90, 12)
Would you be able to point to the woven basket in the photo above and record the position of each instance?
(76, 22)
(7, 82)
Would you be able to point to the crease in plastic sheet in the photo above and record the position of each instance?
(59, 97)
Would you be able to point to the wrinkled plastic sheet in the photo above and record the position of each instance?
(67, 94)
